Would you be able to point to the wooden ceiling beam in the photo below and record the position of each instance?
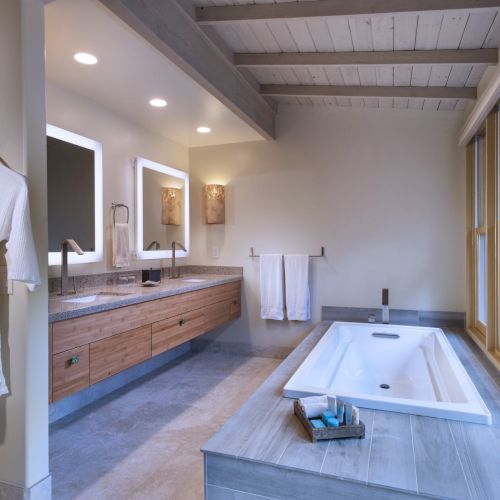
(368, 91)
(169, 28)
(329, 8)
(392, 58)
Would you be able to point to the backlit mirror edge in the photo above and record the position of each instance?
(85, 142)
(140, 163)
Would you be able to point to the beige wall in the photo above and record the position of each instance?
(122, 141)
(23, 315)
(382, 190)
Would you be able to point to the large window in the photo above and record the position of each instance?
(483, 246)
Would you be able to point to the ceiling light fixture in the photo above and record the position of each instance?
(158, 103)
(84, 58)
(203, 130)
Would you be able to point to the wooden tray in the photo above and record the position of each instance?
(344, 431)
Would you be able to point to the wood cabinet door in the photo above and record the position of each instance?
(235, 307)
(70, 372)
(50, 363)
(216, 314)
(114, 354)
(177, 330)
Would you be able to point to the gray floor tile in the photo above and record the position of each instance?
(143, 441)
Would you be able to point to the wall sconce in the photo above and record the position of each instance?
(170, 206)
(215, 205)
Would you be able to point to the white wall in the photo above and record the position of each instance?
(122, 141)
(381, 189)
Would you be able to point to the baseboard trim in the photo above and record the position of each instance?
(492, 357)
(39, 491)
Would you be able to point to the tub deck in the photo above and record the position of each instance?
(263, 450)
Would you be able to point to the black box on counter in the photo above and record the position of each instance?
(151, 275)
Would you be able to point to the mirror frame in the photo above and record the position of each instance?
(85, 142)
(140, 165)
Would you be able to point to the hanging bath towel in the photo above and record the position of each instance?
(298, 305)
(120, 245)
(271, 286)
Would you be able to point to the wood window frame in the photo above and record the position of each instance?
(487, 336)
(477, 327)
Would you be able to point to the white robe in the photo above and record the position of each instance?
(15, 229)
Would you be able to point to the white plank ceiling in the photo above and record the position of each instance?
(458, 29)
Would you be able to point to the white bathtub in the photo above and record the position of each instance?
(388, 367)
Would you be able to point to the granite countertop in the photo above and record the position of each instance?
(403, 454)
(126, 295)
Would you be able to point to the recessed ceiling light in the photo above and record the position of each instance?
(84, 58)
(158, 103)
(203, 130)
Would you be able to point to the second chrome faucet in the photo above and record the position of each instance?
(174, 272)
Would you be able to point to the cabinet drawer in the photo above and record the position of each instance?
(177, 330)
(70, 372)
(114, 354)
(79, 331)
(216, 314)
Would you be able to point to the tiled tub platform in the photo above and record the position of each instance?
(263, 451)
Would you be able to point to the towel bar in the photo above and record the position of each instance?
(252, 254)
(114, 206)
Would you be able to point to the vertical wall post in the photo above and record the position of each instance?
(24, 465)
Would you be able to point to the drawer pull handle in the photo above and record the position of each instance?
(235, 302)
(181, 322)
(74, 360)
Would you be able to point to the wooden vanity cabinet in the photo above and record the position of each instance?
(90, 348)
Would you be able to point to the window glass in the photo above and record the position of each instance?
(481, 278)
(478, 181)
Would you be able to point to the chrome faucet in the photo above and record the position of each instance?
(154, 244)
(385, 306)
(64, 265)
(174, 273)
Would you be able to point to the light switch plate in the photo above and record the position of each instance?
(215, 252)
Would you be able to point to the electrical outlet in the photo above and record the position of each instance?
(215, 252)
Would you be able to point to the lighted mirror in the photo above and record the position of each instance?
(75, 195)
(162, 210)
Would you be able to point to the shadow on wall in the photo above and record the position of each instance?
(4, 348)
(219, 339)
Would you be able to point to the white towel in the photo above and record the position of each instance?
(120, 245)
(15, 228)
(297, 287)
(314, 406)
(271, 286)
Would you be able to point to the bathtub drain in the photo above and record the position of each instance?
(384, 386)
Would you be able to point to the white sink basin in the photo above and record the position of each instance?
(82, 300)
(194, 280)
(87, 299)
